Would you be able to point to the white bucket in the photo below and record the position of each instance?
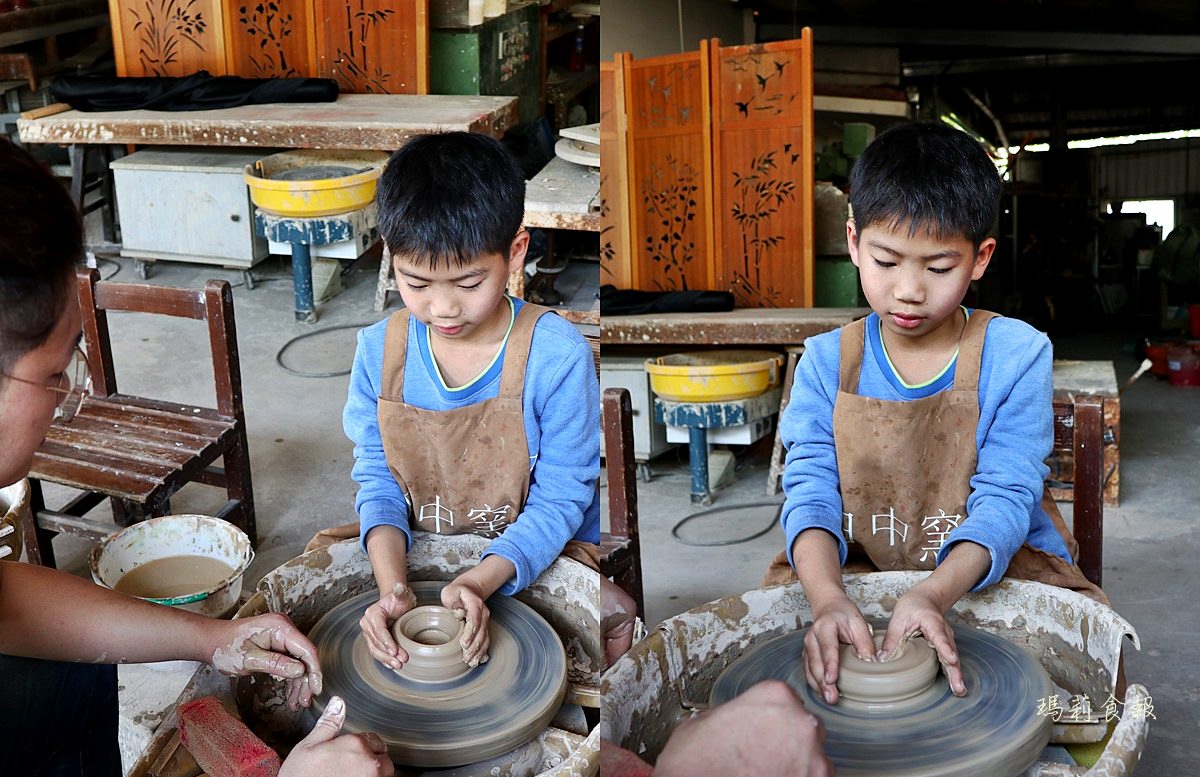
(14, 501)
(178, 535)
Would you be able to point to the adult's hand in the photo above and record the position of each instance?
(376, 624)
(765, 732)
(323, 752)
(618, 611)
(269, 643)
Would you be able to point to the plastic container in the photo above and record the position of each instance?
(300, 197)
(1156, 352)
(714, 376)
(1183, 366)
(178, 535)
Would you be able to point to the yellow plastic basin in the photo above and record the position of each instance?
(323, 196)
(714, 376)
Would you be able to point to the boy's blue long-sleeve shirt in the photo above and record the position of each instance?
(1013, 439)
(562, 427)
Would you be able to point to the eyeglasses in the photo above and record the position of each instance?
(75, 384)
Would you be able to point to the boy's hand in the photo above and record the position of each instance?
(465, 598)
(377, 621)
(269, 643)
(918, 611)
(835, 622)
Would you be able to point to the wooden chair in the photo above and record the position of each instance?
(137, 451)
(1079, 428)
(620, 549)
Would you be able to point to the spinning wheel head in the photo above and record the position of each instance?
(899, 719)
(437, 711)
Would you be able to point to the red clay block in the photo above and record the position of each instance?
(221, 744)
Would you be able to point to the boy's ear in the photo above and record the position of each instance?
(517, 251)
(852, 240)
(982, 257)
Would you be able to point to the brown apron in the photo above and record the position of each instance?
(905, 470)
(465, 470)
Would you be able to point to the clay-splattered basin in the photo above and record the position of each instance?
(652, 688)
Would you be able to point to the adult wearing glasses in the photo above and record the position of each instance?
(61, 636)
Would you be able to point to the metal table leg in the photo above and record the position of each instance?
(698, 459)
(302, 277)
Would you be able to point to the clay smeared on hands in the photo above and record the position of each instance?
(377, 624)
(272, 644)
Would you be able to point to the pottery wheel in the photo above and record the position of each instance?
(899, 719)
(482, 713)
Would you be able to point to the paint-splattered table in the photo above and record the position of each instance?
(369, 122)
(377, 122)
(749, 326)
(563, 195)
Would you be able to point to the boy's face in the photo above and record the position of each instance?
(461, 303)
(26, 411)
(915, 283)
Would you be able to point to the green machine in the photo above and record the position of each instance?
(502, 56)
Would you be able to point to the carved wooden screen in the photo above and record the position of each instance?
(379, 46)
(763, 172)
(614, 177)
(167, 37)
(270, 38)
(667, 102)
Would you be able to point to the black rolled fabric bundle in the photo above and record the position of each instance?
(632, 302)
(197, 92)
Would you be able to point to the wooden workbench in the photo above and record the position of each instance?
(380, 122)
(564, 195)
(1095, 378)
(750, 326)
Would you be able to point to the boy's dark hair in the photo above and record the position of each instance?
(926, 176)
(451, 196)
(41, 241)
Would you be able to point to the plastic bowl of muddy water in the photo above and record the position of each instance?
(193, 562)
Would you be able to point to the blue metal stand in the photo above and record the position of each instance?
(699, 417)
(698, 459)
(302, 234)
(302, 278)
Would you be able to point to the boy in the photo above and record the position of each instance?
(60, 635)
(920, 432)
(470, 411)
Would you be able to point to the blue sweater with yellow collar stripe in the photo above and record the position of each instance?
(1013, 439)
(562, 428)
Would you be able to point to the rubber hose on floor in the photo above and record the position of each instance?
(297, 338)
(725, 508)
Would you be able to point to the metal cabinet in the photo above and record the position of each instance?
(502, 56)
(627, 372)
(188, 204)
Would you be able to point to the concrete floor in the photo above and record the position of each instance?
(1152, 541)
